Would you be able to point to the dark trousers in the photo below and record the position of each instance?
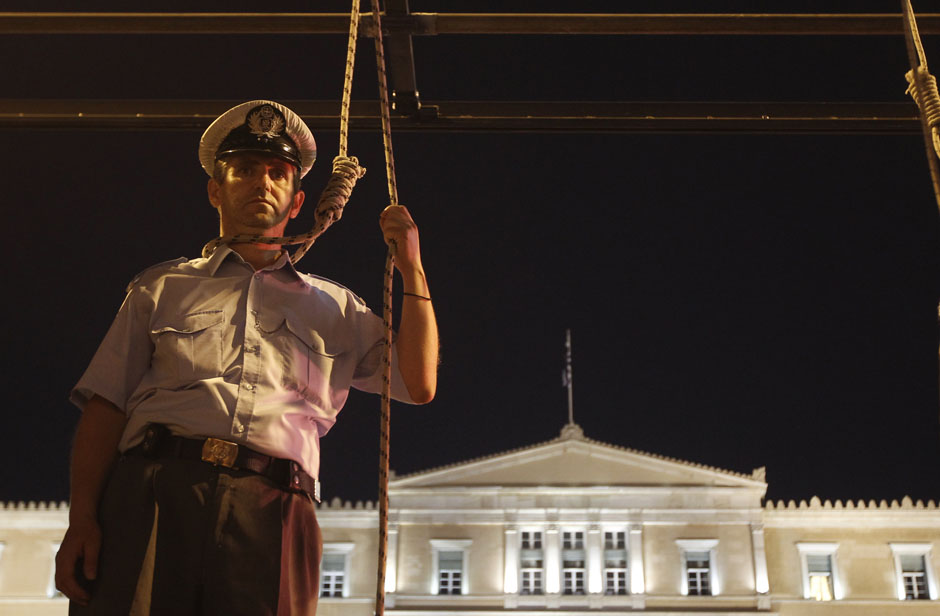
(182, 537)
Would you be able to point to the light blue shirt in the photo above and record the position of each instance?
(211, 347)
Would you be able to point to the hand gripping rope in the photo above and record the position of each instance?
(922, 86)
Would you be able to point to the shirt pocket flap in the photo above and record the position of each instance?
(312, 339)
(191, 323)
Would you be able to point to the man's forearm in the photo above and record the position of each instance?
(417, 339)
(94, 451)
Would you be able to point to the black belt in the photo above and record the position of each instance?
(160, 443)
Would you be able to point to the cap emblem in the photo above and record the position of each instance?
(265, 122)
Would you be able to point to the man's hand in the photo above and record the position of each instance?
(81, 544)
(401, 234)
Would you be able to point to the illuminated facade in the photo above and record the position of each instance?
(575, 526)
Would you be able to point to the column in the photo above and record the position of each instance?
(594, 549)
(511, 559)
(552, 549)
(761, 583)
(391, 564)
(637, 581)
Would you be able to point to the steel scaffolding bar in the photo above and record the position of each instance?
(478, 116)
(467, 23)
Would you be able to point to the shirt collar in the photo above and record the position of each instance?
(224, 252)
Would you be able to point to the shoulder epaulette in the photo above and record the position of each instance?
(335, 284)
(164, 264)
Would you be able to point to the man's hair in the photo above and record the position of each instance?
(218, 173)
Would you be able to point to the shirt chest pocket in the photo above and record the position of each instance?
(310, 362)
(190, 346)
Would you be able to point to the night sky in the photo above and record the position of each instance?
(734, 300)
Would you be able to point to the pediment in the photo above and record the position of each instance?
(575, 461)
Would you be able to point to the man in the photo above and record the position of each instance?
(195, 459)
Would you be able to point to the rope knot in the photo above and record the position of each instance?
(922, 87)
(346, 172)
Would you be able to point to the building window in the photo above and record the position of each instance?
(450, 572)
(450, 566)
(615, 582)
(615, 540)
(531, 565)
(819, 570)
(531, 582)
(820, 579)
(334, 570)
(572, 557)
(333, 575)
(531, 540)
(615, 563)
(574, 581)
(572, 540)
(698, 564)
(698, 572)
(915, 577)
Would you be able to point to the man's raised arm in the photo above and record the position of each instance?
(417, 333)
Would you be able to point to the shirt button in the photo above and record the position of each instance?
(240, 428)
(257, 276)
(251, 349)
(249, 386)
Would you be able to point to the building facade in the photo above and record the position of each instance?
(576, 527)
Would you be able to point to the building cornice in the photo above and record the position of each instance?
(756, 479)
(34, 506)
(815, 503)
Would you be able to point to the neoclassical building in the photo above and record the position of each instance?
(576, 527)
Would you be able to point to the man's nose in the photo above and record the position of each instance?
(265, 181)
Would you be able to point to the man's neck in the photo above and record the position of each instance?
(258, 256)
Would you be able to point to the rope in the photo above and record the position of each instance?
(385, 416)
(346, 171)
(922, 86)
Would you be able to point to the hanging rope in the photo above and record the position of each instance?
(922, 86)
(385, 416)
(346, 171)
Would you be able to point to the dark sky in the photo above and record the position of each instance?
(734, 300)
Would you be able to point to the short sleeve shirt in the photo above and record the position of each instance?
(211, 347)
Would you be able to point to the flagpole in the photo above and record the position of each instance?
(568, 377)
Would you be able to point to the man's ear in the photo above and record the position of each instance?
(298, 201)
(213, 189)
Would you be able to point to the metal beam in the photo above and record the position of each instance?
(467, 23)
(399, 56)
(457, 116)
(684, 24)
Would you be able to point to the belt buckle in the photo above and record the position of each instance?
(219, 452)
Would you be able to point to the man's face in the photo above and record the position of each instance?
(255, 194)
